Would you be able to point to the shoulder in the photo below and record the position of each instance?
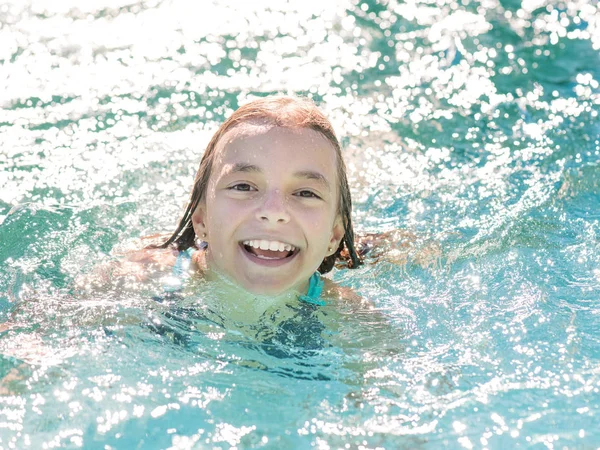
(165, 258)
(139, 265)
(153, 256)
(341, 294)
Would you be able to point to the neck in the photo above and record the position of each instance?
(241, 299)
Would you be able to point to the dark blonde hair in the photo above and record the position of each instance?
(287, 112)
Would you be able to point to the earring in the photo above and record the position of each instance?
(329, 249)
(203, 235)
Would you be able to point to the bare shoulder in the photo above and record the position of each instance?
(343, 295)
(161, 259)
(159, 256)
(398, 247)
(133, 265)
(146, 251)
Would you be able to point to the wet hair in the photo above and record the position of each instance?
(274, 111)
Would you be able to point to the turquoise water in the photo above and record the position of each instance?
(472, 125)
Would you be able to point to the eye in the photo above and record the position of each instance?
(241, 187)
(306, 194)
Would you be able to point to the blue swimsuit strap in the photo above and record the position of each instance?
(181, 272)
(315, 287)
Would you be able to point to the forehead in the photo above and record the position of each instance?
(265, 146)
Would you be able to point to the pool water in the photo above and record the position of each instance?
(471, 125)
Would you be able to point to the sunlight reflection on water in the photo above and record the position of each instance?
(472, 125)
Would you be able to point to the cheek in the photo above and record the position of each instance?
(223, 212)
(216, 206)
(319, 224)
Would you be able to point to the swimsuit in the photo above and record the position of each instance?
(296, 337)
(181, 274)
(315, 287)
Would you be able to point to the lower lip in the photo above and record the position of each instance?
(267, 262)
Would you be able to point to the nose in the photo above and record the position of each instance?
(273, 209)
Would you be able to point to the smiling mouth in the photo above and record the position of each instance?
(269, 250)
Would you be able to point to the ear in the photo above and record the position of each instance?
(198, 222)
(337, 234)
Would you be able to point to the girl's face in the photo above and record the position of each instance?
(270, 212)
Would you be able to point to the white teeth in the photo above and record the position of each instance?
(270, 245)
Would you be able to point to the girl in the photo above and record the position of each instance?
(269, 213)
(270, 210)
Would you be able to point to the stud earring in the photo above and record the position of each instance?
(203, 235)
(329, 249)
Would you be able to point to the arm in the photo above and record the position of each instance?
(132, 266)
(396, 246)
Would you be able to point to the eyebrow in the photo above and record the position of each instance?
(307, 174)
(311, 175)
(244, 167)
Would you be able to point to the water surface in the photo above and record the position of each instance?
(472, 125)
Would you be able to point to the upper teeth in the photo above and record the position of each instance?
(270, 245)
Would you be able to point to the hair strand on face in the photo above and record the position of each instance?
(275, 111)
